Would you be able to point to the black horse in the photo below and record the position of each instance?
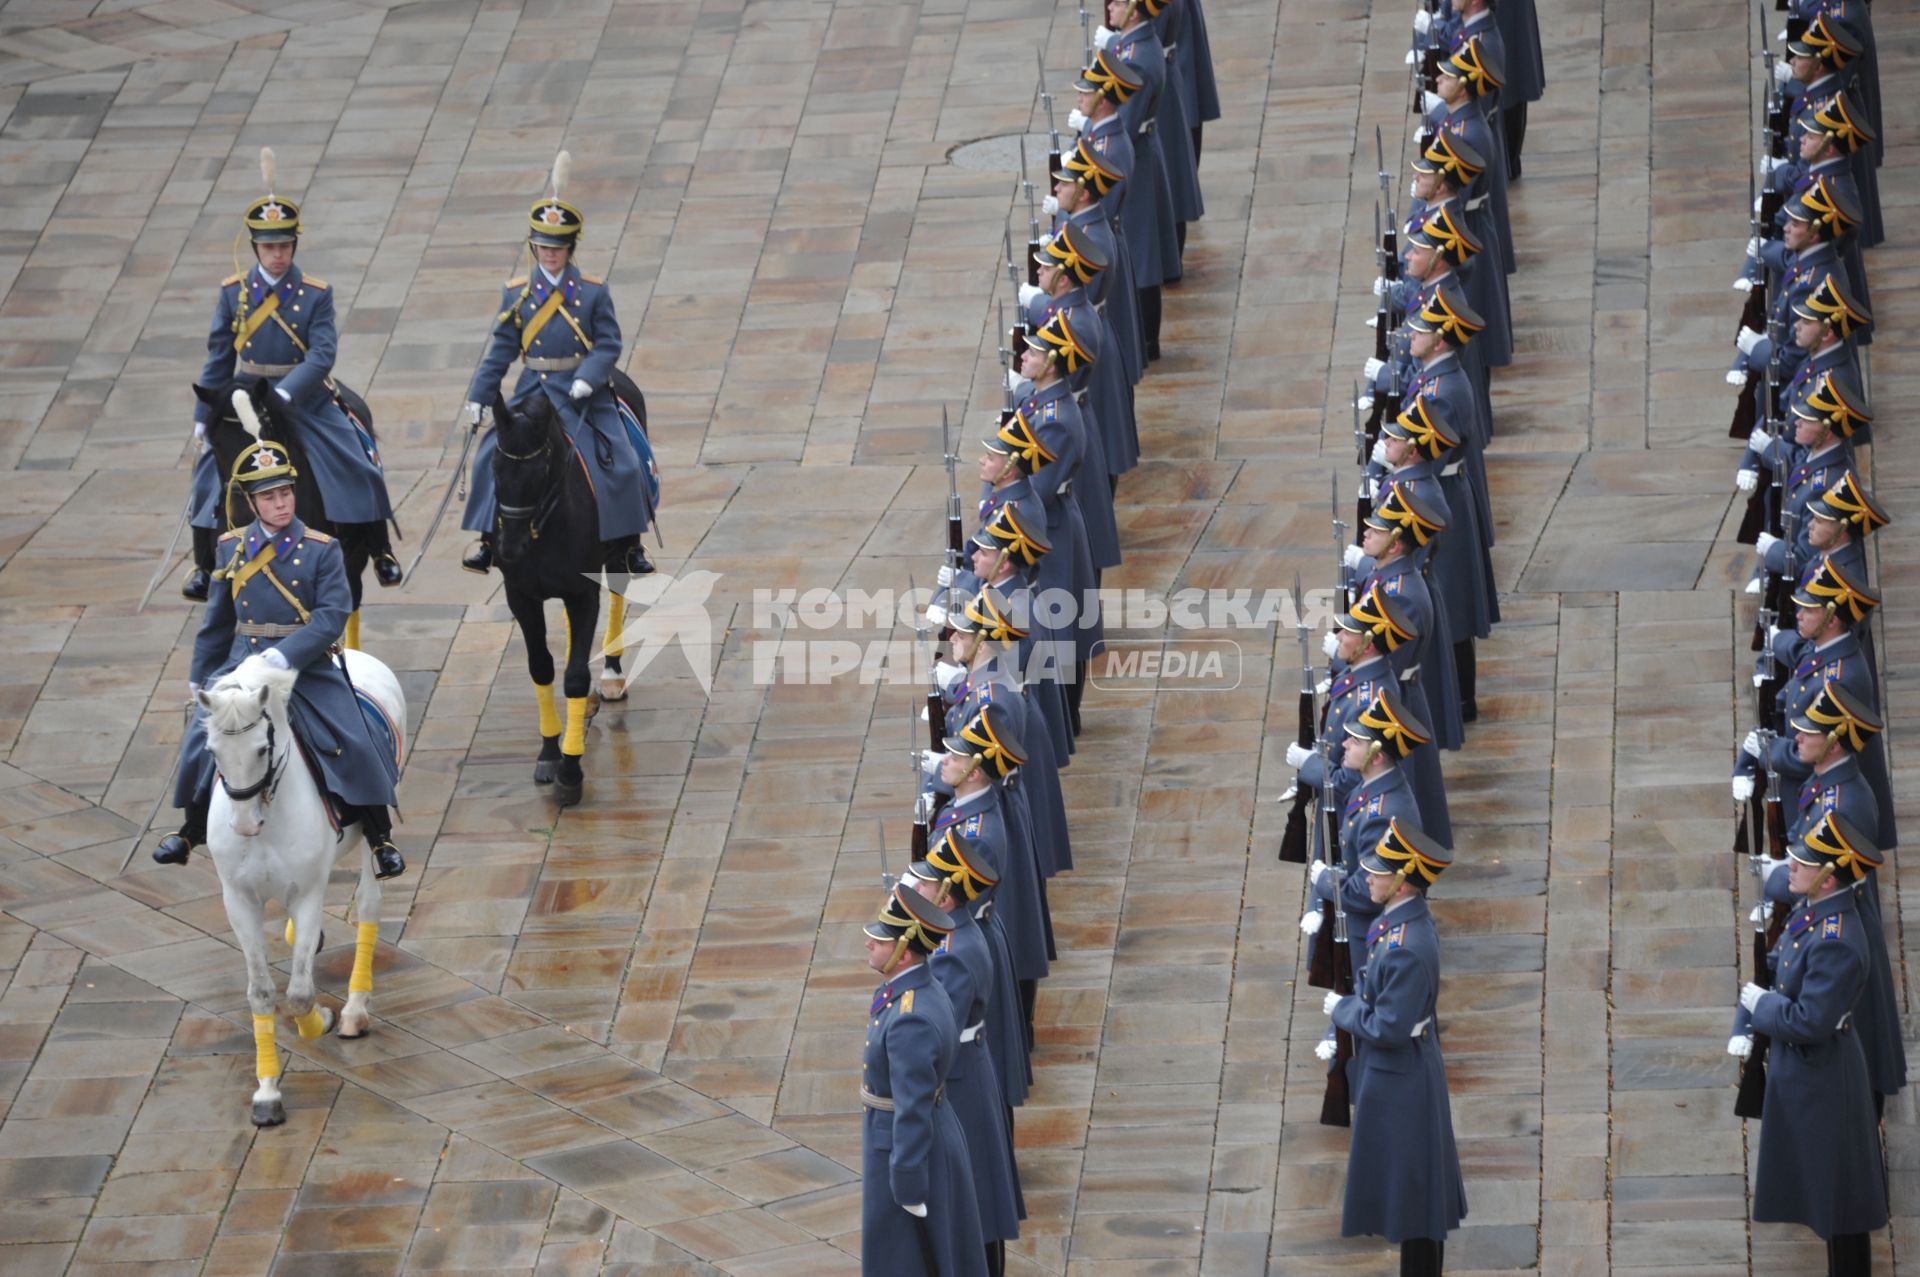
(547, 544)
(228, 438)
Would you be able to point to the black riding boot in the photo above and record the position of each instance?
(1849, 1255)
(480, 557)
(195, 586)
(1150, 321)
(626, 554)
(176, 846)
(996, 1259)
(386, 568)
(1466, 669)
(1421, 1257)
(376, 826)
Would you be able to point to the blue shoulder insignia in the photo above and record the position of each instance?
(1391, 586)
(1833, 668)
(1051, 412)
(1396, 937)
(1831, 799)
(906, 1003)
(972, 826)
(1830, 928)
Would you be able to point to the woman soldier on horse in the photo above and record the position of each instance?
(282, 595)
(559, 324)
(274, 323)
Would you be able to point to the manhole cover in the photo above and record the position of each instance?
(1002, 154)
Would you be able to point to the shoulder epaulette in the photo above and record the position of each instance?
(973, 826)
(233, 535)
(518, 281)
(591, 279)
(233, 279)
(906, 1003)
(1396, 937)
(312, 282)
(1831, 926)
(321, 537)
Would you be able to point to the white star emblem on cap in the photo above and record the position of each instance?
(552, 215)
(272, 212)
(264, 460)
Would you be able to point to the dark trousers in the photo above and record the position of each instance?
(1466, 669)
(1849, 1255)
(1422, 1257)
(1150, 320)
(1514, 121)
(204, 539)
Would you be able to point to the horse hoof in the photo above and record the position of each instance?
(270, 1113)
(345, 1036)
(567, 792)
(545, 770)
(613, 687)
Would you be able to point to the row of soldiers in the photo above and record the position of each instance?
(1370, 813)
(963, 939)
(1817, 1029)
(1005, 708)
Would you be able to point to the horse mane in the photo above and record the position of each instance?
(229, 701)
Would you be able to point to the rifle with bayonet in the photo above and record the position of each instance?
(1336, 1106)
(1017, 334)
(1293, 842)
(1086, 38)
(1046, 101)
(1767, 924)
(1389, 237)
(1340, 543)
(1033, 221)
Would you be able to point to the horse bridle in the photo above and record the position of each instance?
(270, 782)
(536, 515)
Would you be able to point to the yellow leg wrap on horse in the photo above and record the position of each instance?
(549, 716)
(266, 1056)
(351, 638)
(616, 625)
(312, 1024)
(575, 741)
(361, 981)
(289, 933)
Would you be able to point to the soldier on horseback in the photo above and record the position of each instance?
(282, 595)
(275, 323)
(560, 325)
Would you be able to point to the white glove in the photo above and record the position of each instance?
(1751, 994)
(1019, 385)
(1753, 246)
(1411, 57)
(1379, 457)
(1430, 101)
(580, 389)
(936, 616)
(272, 657)
(1769, 867)
(929, 762)
(946, 673)
(1373, 320)
(1759, 913)
(1325, 1049)
(944, 577)
(1297, 754)
(1764, 542)
(1372, 486)
(918, 1210)
(1740, 1046)
(1751, 745)
(472, 411)
(284, 396)
(1352, 557)
(1742, 789)
(1780, 36)
(1773, 632)
(1324, 686)
(1782, 70)
(1102, 37)
(1413, 192)
(1746, 339)
(200, 431)
(1743, 285)
(1311, 922)
(1050, 206)
(1422, 21)
(1768, 163)
(1330, 643)
(922, 809)
(1379, 286)
(1364, 402)
(1758, 439)
(1029, 294)
(1747, 480)
(1736, 376)
(1754, 587)
(193, 689)
(1077, 120)
(1315, 871)
(1759, 679)
(1756, 202)
(1372, 368)
(1331, 1001)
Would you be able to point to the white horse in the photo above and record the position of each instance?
(270, 836)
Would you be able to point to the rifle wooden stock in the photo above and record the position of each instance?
(1754, 521)
(1321, 970)
(1745, 410)
(1741, 843)
(1336, 1106)
(1752, 1095)
(936, 722)
(1770, 202)
(1754, 314)
(1293, 842)
(1380, 332)
(919, 841)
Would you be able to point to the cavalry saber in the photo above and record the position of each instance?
(166, 559)
(457, 479)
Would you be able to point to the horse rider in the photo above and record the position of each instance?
(284, 598)
(560, 325)
(274, 322)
